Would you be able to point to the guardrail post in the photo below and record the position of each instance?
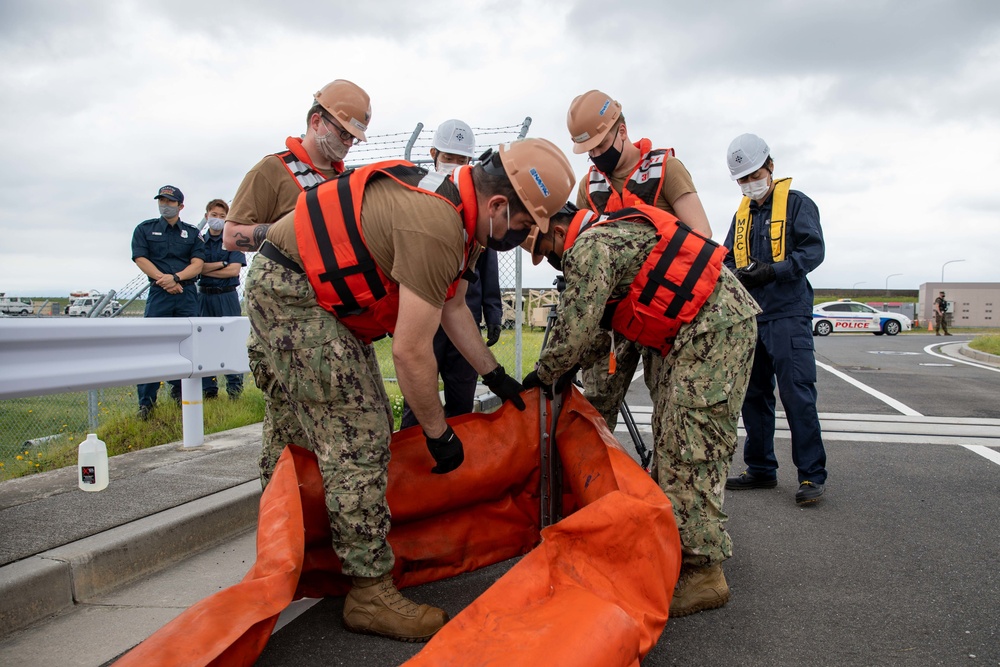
(192, 412)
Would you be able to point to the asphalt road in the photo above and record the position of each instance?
(898, 565)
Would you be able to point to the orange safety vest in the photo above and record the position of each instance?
(673, 284)
(641, 187)
(340, 268)
(300, 166)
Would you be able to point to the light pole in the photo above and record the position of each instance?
(892, 275)
(856, 284)
(950, 261)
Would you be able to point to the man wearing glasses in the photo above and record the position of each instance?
(337, 119)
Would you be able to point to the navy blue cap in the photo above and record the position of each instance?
(170, 192)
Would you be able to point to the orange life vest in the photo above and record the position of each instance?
(673, 284)
(300, 166)
(641, 187)
(340, 268)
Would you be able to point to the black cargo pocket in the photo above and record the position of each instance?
(803, 359)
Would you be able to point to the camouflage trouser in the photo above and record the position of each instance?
(280, 426)
(697, 392)
(328, 382)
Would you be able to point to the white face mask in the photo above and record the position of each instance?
(216, 224)
(445, 167)
(755, 189)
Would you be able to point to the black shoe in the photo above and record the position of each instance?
(746, 480)
(145, 411)
(809, 492)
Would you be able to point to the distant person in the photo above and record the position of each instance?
(454, 145)
(171, 254)
(941, 315)
(775, 240)
(220, 276)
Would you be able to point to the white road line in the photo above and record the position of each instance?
(930, 350)
(991, 454)
(888, 400)
(294, 610)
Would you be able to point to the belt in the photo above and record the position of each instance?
(268, 250)
(217, 290)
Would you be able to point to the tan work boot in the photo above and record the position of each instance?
(375, 607)
(699, 589)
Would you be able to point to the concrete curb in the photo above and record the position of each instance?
(36, 587)
(985, 357)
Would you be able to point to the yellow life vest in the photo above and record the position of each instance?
(741, 235)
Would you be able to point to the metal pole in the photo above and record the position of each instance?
(524, 127)
(92, 401)
(518, 319)
(99, 306)
(129, 302)
(950, 261)
(893, 275)
(856, 284)
(412, 140)
(192, 412)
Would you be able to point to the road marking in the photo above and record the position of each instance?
(991, 454)
(294, 610)
(888, 400)
(930, 350)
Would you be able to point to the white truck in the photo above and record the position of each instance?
(15, 306)
(80, 306)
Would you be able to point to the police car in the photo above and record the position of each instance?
(847, 315)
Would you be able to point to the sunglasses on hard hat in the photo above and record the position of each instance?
(339, 129)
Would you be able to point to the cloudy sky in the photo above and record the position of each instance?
(884, 112)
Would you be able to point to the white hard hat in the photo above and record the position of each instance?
(455, 137)
(747, 153)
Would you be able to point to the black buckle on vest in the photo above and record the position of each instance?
(658, 275)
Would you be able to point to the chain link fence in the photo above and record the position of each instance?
(29, 425)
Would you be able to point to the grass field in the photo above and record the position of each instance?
(988, 343)
(42, 432)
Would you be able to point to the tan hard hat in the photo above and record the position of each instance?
(348, 104)
(541, 175)
(589, 118)
(529, 245)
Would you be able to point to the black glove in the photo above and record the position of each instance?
(504, 386)
(447, 451)
(532, 380)
(492, 334)
(756, 274)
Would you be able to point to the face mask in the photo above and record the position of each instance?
(755, 189)
(169, 210)
(216, 224)
(608, 160)
(510, 239)
(445, 167)
(331, 147)
(554, 260)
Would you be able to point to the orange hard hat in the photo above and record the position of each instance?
(541, 175)
(349, 104)
(589, 119)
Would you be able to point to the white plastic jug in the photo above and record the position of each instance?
(92, 464)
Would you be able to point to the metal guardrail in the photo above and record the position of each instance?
(48, 356)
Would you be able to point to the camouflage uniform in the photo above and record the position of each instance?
(697, 388)
(330, 384)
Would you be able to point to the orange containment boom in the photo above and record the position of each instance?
(595, 588)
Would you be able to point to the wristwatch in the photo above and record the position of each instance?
(176, 279)
(225, 263)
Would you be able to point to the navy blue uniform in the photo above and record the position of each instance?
(784, 342)
(218, 298)
(458, 376)
(170, 248)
